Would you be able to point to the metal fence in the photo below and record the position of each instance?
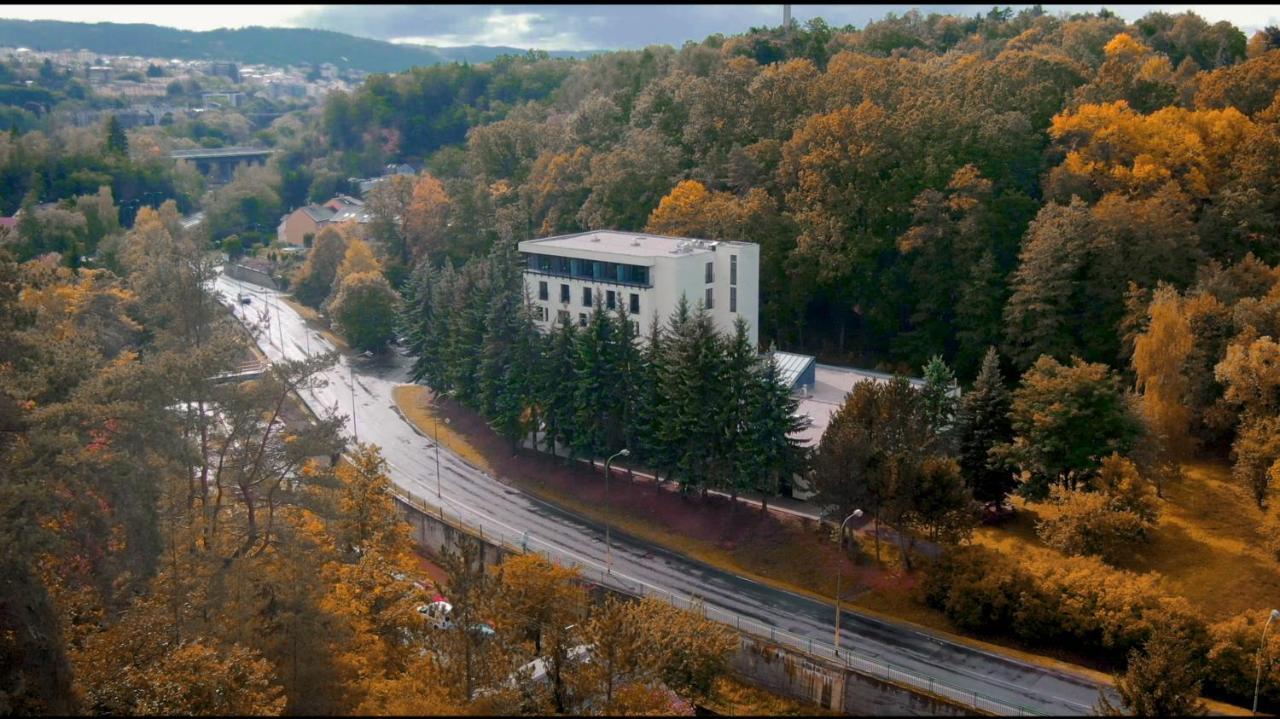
(880, 669)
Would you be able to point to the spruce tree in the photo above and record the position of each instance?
(629, 375)
(117, 141)
(417, 313)
(594, 382)
(499, 396)
(650, 407)
(670, 437)
(773, 426)
(736, 460)
(697, 393)
(939, 405)
(982, 423)
(556, 387)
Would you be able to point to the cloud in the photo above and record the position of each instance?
(560, 27)
(584, 27)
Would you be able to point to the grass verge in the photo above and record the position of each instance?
(1206, 547)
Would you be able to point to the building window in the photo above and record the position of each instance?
(635, 327)
(610, 299)
(582, 319)
(542, 290)
(540, 313)
(733, 299)
(564, 294)
(586, 296)
(710, 299)
(635, 304)
(562, 316)
(711, 272)
(733, 269)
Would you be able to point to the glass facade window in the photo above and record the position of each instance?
(564, 294)
(733, 299)
(711, 272)
(542, 290)
(710, 299)
(635, 303)
(733, 269)
(586, 296)
(610, 299)
(587, 269)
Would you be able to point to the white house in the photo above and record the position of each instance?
(643, 273)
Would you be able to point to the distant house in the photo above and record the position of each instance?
(310, 219)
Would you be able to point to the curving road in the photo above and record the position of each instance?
(361, 389)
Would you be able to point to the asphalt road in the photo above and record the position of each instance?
(362, 389)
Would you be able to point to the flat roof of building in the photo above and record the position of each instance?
(831, 385)
(635, 244)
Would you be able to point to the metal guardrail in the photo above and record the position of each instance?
(868, 666)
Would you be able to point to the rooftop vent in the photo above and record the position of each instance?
(635, 241)
(595, 238)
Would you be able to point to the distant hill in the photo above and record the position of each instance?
(258, 45)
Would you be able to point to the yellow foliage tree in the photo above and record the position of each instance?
(428, 216)
(1159, 358)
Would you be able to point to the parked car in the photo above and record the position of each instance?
(243, 298)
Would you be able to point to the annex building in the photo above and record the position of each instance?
(644, 274)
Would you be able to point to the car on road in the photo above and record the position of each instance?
(243, 298)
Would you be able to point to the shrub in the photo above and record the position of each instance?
(1233, 657)
(1078, 600)
(1091, 523)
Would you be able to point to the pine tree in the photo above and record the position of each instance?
(939, 405)
(982, 423)
(629, 373)
(697, 393)
(117, 141)
(773, 424)
(498, 397)
(556, 388)
(669, 437)
(737, 460)
(417, 313)
(650, 415)
(596, 407)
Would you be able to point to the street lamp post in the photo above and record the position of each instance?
(1257, 683)
(839, 568)
(608, 546)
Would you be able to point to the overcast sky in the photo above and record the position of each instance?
(555, 27)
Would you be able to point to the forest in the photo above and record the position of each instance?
(1073, 217)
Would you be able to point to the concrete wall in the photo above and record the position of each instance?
(793, 674)
(248, 274)
(781, 670)
(434, 534)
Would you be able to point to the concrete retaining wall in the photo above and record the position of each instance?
(795, 675)
(779, 669)
(249, 274)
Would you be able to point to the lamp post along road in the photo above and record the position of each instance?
(839, 567)
(608, 546)
(1257, 683)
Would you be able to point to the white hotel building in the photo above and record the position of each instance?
(645, 274)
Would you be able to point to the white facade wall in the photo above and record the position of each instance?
(671, 274)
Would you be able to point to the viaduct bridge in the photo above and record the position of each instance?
(219, 163)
